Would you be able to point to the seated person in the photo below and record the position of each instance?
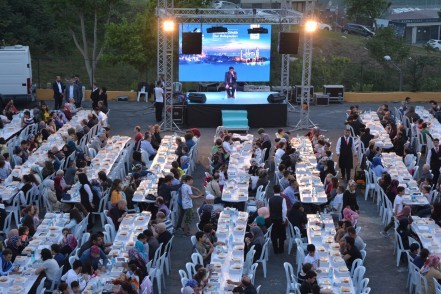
(49, 267)
(93, 256)
(5, 262)
(205, 249)
(350, 253)
(118, 212)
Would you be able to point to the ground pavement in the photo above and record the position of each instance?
(384, 276)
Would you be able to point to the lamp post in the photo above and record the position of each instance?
(387, 58)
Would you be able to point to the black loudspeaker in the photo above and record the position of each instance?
(276, 98)
(197, 97)
(288, 43)
(192, 43)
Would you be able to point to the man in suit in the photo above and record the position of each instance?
(230, 82)
(58, 88)
(278, 209)
(80, 88)
(95, 95)
(345, 151)
(72, 91)
(434, 159)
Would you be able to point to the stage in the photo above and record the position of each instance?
(261, 113)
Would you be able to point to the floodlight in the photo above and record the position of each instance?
(168, 25)
(310, 26)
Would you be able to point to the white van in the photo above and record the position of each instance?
(15, 74)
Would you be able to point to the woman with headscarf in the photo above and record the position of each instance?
(207, 214)
(431, 269)
(252, 216)
(378, 167)
(350, 215)
(256, 239)
(51, 196)
(137, 259)
(391, 191)
(14, 243)
(405, 213)
(263, 211)
(260, 222)
(350, 196)
(35, 171)
(403, 231)
(139, 246)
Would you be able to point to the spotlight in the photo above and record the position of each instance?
(168, 25)
(310, 26)
(258, 31)
(217, 30)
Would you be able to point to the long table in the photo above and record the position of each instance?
(434, 126)
(13, 127)
(103, 161)
(236, 188)
(398, 171)
(372, 121)
(429, 233)
(161, 165)
(228, 261)
(9, 187)
(47, 233)
(311, 189)
(333, 274)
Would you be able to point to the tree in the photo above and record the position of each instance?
(86, 21)
(415, 68)
(366, 10)
(134, 43)
(386, 43)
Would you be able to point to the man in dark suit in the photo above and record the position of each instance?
(230, 82)
(95, 95)
(73, 91)
(58, 88)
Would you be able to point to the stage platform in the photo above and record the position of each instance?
(261, 113)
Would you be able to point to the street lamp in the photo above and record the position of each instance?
(387, 58)
(168, 25)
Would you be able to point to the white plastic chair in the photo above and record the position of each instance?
(196, 258)
(167, 252)
(290, 277)
(363, 254)
(40, 288)
(437, 286)
(358, 276)
(57, 280)
(14, 208)
(355, 264)
(291, 237)
(7, 225)
(399, 248)
(183, 274)
(362, 285)
(156, 271)
(84, 238)
(249, 260)
(191, 270)
(263, 257)
(252, 272)
(370, 186)
(409, 270)
(109, 229)
(258, 289)
(71, 260)
(300, 256)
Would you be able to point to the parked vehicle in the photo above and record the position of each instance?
(357, 29)
(324, 26)
(435, 44)
(15, 74)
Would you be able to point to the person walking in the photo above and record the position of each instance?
(278, 209)
(58, 88)
(345, 151)
(434, 160)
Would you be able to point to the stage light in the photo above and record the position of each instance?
(310, 26)
(258, 31)
(217, 29)
(168, 25)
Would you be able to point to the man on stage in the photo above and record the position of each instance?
(230, 82)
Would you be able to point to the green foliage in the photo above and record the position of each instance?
(415, 68)
(385, 42)
(366, 9)
(28, 22)
(360, 87)
(331, 70)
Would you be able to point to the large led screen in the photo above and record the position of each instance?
(249, 54)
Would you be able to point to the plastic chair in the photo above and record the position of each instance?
(258, 289)
(291, 237)
(155, 271)
(358, 276)
(355, 264)
(399, 248)
(14, 209)
(409, 270)
(40, 288)
(84, 238)
(249, 260)
(109, 229)
(183, 274)
(437, 286)
(167, 255)
(252, 272)
(191, 270)
(363, 254)
(300, 256)
(193, 241)
(7, 225)
(196, 258)
(263, 257)
(71, 260)
(362, 285)
(57, 280)
(290, 277)
(183, 282)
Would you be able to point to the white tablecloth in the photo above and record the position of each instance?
(372, 121)
(310, 186)
(333, 274)
(47, 233)
(429, 233)
(13, 127)
(227, 261)
(236, 188)
(434, 126)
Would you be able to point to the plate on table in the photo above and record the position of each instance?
(343, 269)
(345, 289)
(20, 280)
(15, 289)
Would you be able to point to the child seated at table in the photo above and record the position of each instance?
(312, 258)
